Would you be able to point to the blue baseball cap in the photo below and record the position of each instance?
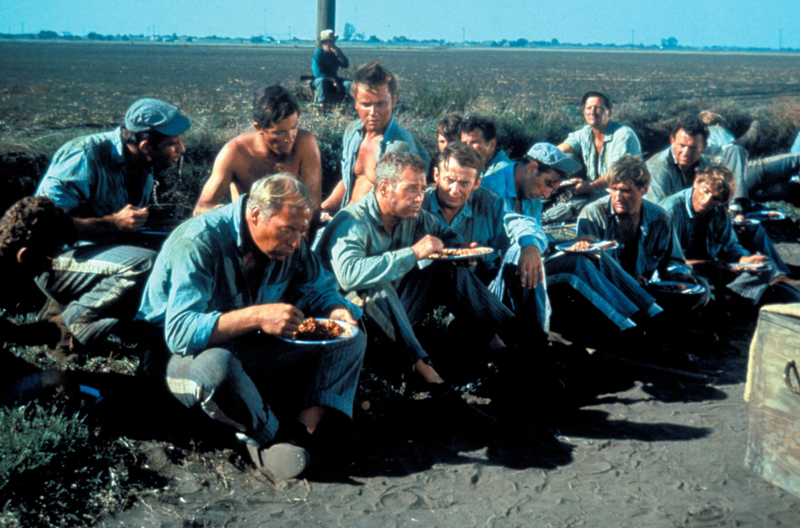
(151, 114)
(549, 154)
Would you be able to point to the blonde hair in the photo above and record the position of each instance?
(718, 178)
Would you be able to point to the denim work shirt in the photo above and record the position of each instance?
(363, 255)
(501, 183)
(395, 139)
(659, 250)
(326, 63)
(199, 275)
(86, 177)
(719, 136)
(618, 141)
(721, 241)
(487, 220)
(499, 161)
(667, 177)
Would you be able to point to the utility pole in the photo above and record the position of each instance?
(632, 42)
(464, 35)
(326, 16)
(265, 22)
(780, 40)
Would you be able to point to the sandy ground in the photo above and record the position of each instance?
(653, 447)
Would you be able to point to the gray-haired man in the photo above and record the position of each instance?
(227, 286)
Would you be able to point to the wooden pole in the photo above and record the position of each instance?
(326, 15)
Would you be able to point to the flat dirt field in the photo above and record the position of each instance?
(63, 85)
(658, 436)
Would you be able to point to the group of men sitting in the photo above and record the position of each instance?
(219, 306)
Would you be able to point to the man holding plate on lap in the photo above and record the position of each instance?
(228, 288)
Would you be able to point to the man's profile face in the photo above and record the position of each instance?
(404, 199)
(705, 199)
(455, 184)
(166, 154)
(538, 185)
(374, 107)
(278, 236)
(441, 142)
(279, 137)
(328, 44)
(484, 148)
(687, 149)
(596, 113)
(626, 197)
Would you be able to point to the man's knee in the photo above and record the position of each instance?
(193, 378)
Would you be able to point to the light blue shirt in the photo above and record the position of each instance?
(395, 139)
(667, 177)
(199, 275)
(487, 220)
(796, 146)
(719, 136)
(659, 249)
(363, 254)
(721, 240)
(86, 177)
(499, 161)
(501, 183)
(618, 141)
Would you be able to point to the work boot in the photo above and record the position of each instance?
(750, 138)
(279, 461)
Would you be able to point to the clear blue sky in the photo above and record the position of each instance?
(693, 22)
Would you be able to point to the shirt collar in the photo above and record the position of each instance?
(465, 211)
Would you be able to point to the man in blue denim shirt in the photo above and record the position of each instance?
(374, 246)
(705, 232)
(647, 243)
(480, 216)
(481, 134)
(226, 286)
(673, 169)
(104, 182)
(371, 136)
(598, 145)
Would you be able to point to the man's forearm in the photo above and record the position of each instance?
(88, 227)
(234, 324)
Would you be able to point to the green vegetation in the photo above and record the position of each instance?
(50, 462)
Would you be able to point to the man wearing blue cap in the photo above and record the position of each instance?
(104, 182)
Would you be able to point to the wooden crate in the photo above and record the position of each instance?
(773, 440)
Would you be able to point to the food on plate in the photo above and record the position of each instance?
(581, 246)
(321, 330)
(460, 252)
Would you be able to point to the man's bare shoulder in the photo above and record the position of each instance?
(246, 143)
(306, 142)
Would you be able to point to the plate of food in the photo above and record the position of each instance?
(755, 267)
(746, 222)
(680, 288)
(321, 331)
(766, 215)
(461, 253)
(582, 246)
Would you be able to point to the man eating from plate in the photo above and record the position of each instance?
(228, 288)
(705, 232)
(374, 247)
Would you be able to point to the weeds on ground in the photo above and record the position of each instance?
(54, 473)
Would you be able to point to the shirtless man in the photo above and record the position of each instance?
(372, 135)
(276, 145)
